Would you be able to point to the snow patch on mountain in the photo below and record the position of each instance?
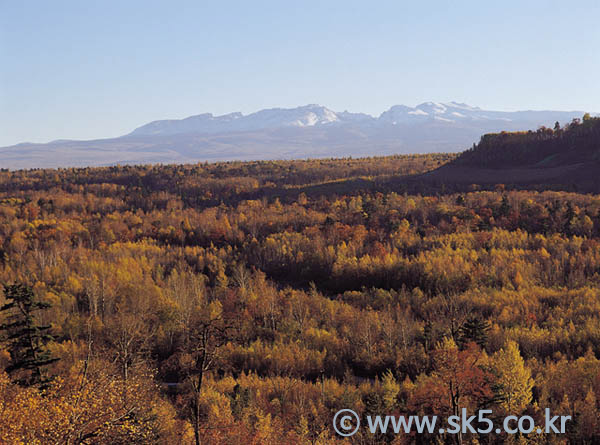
(318, 116)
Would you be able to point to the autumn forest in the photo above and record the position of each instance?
(246, 303)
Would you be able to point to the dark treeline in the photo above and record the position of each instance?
(576, 142)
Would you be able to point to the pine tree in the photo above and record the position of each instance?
(27, 341)
(504, 206)
(569, 216)
(474, 330)
(427, 335)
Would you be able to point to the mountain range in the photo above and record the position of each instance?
(311, 131)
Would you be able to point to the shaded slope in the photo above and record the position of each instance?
(568, 157)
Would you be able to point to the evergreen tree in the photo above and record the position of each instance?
(557, 127)
(474, 330)
(504, 206)
(569, 216)
(427, 335)
(27, 341)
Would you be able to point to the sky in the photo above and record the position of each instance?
(85, 70)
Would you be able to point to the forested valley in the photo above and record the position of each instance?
(246, 303)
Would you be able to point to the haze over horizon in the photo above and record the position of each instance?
(86, 71)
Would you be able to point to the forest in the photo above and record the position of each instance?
(560, 158)
(572, 143)
(247, 302)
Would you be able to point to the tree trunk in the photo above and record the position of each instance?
(196, 408)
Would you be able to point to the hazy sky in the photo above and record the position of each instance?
(88, 69)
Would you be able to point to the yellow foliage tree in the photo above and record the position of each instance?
(514, 378)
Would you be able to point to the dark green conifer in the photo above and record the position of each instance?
(474, 330)
(26, 340)
(504, 206)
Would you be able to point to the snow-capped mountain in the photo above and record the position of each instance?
(317, 115)
(463, 113)
(285, 133)
(306, 116)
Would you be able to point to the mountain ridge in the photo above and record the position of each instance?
(316, 115)
(309, 131)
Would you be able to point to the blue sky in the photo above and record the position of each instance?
(82, 70)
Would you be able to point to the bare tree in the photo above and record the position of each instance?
(200, 351)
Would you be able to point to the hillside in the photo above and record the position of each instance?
(567, 156)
